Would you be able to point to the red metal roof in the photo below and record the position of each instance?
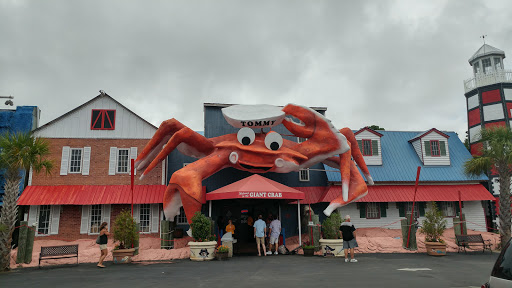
(255, 187)
(91, 194)
(405, 193)
(312, 194)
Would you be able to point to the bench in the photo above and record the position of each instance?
(467, 241)
(57, 252)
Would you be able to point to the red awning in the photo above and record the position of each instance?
(91, 194)
(255, 187)
(405, 193)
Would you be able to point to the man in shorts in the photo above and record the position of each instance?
(275, 231)
(260, 233)
(348, 233)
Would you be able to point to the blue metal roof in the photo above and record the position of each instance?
(400, 161)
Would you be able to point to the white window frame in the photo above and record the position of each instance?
(53, 221)
(181, 218)
(408, 206)
(127, 161)
(432, 150)
(91, 208)
(141, 208)
(367, 147)
(304, 175)
(447, 207)
(48, 222)
(372, 210)
(71, 160)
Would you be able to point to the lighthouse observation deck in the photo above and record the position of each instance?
(492, 76)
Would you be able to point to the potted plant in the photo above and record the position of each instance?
(433, 227)
(203, 249)
(125, 233)
(309, 250)
(222, 252)
(331, 243)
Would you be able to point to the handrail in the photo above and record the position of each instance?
(489, 78)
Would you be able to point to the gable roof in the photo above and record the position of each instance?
(423, 134)
(400, 162)
(369, 130)
(484, 51)
(102, 95)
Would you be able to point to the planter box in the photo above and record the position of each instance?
(332, 247)
(123, 256)
(222, 256)
(202, 251)
(309, 252)
(435, 248)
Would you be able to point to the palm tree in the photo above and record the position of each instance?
(18, 153)
(497, 154)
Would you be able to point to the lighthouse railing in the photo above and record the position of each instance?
(489, 78)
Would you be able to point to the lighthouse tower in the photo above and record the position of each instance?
(488, 97)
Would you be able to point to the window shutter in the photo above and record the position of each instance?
(105, 214)
(421, 208)
(133, 155)
(136, 212)
(457, 208)
(55, 219)
(442, 144)
(401, 209)
(84, 226)
(362, 210)
(383, 208)
(375, 148)
(112, 163)
(427, 148)
(32, 215)
(64, 161)
(360, 144)
(87, 160)
(155, 218)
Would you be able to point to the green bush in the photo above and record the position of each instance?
(331, 226)
(434, 224)
(125, 230)
(201, 228)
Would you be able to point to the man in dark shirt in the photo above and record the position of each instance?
(348, 233)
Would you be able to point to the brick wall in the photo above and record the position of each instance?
(70, 221)
(98, 172)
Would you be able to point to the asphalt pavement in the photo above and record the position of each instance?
(372, 270)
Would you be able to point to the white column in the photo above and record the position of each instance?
(298, 216)
(210, 210)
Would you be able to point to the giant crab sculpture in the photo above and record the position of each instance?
(255, 152)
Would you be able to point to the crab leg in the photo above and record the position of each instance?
(356, 153)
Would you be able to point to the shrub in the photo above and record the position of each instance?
(125, 230)
(201, 228)
(331, 226)
(434, 224)
(223, 249)
(307, 245)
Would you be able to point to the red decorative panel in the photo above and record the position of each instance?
(474, 117)
(491, 96)
(509, 107)
(495, 124)
(476, 149)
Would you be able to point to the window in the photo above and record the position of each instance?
(476, 68)
(123, 160)
(300, 139)
(372, 210)
(103, 119)
(95, 219)
(75, 161)
(486, 64)
(145, 218)
(448, 209)
(185, 164)
(367, 147)
(304, 174)
(408, 208)
(497, 63)
(43, 227)
(434, 148)
(182, 218)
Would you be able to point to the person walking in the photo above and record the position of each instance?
(103, 240)
(260, 234)
(275, 231)
(348, 233)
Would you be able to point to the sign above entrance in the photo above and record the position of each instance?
(260, 195)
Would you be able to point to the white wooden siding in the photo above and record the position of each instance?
(473, 210)
(417, 147)
(493, 112)
(474, 134)
(437, 160)
(473, 102)
(371, 160)
(78, 124)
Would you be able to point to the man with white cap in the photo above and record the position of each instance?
(348, 233)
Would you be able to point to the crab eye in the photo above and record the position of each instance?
(246, 136)
(273, 141)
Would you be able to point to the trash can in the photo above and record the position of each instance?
(227, 240)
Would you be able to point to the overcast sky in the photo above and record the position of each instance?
(396, 64)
